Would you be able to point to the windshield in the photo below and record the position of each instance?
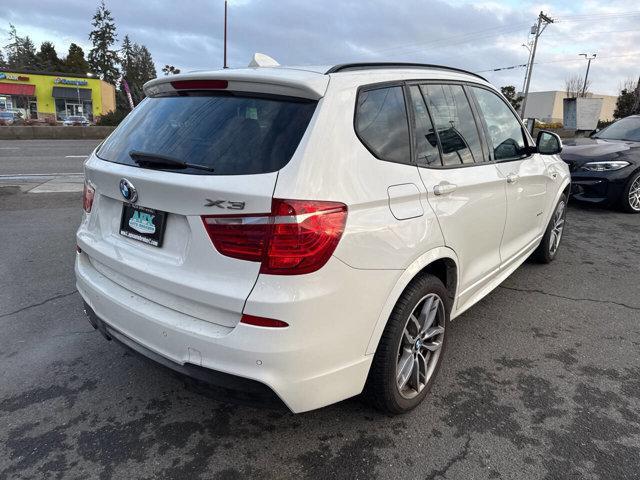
(233, 135)
(625, 129)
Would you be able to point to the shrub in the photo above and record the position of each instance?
(112, 119)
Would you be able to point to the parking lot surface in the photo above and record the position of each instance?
(541, 379)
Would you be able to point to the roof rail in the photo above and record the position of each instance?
(373, 65)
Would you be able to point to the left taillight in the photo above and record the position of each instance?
(296, 237)
(87, 196)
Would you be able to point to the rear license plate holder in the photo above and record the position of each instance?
(143, 224)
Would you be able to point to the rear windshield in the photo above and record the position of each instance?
(231, 134)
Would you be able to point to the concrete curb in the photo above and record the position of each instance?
(56, 133)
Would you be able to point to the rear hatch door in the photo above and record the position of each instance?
(176, 157)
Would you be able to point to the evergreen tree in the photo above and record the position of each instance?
(48, 58)
(3, 64)
(75, 61)
(21, 52)
(137, 69)
(509, 93)
(625, 104)
(102, 59)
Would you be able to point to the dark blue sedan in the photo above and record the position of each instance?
(605, 168)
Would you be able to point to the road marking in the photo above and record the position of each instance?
(9, 148)
(76, 156)
(20, 175)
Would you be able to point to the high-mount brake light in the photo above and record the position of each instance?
(297, 237)
(200, 84)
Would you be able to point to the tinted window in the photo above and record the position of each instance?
(624, 129)
(426, 139)
(454, 121)
(505, 131)
(234, 135)
(381, 123)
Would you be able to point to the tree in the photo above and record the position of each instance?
(102, 59)
(137, 69)
(574, 85)
(48, 58)
(21, 52)
(75, 61)
(170, 70)
(509, 93)
(3, 64)
(628, 102)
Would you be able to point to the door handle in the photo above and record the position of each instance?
(512, 178)
(444, 188)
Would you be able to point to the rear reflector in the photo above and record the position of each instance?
(298, 236)
(87, 197)
(263, 322)
(200, 84)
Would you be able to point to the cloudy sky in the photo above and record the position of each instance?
(478, 36)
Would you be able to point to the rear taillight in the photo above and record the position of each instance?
(297, 237)
(87, 196)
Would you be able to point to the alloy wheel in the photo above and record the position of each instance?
(420, 346)
(634, 195)
(557, 227)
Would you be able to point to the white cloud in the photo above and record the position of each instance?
(476, 36)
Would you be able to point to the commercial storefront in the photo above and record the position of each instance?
(46, 96)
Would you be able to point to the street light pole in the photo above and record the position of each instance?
(586, 76)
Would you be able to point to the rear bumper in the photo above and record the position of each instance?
(318, 360)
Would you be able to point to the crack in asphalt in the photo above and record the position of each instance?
(442, 472)
(541, 292)
(38, 304)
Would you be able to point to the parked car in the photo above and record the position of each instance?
(311, 231)
(605, 168)
(11, 118)
(76, 121)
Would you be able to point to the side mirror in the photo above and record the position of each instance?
(548, 143)
(594, 132)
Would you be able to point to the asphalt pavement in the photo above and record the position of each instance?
(43, 157)
(541, 379)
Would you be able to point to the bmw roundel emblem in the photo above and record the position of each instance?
(128, 191)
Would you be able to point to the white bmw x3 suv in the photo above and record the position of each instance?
(310, 231)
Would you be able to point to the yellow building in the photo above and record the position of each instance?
(47, 96)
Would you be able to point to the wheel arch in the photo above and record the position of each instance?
(442, 262)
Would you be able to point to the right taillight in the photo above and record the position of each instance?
(87, 196)
(296, 237)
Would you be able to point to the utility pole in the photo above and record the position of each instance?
(586, 76)
(526, 71)
(543, 22)
(225, 35)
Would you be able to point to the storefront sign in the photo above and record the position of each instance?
(65, 81)
(11, 76)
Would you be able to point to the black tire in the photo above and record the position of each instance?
(544, 253)
(625, 202)
(382, 389)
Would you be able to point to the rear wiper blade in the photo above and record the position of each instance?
(156, 159)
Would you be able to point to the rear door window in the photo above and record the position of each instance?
(427, 152)
(382, 125)
(505, 130)
(455, 124)
(232, 134)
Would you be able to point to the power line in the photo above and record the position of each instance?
(562, 60)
